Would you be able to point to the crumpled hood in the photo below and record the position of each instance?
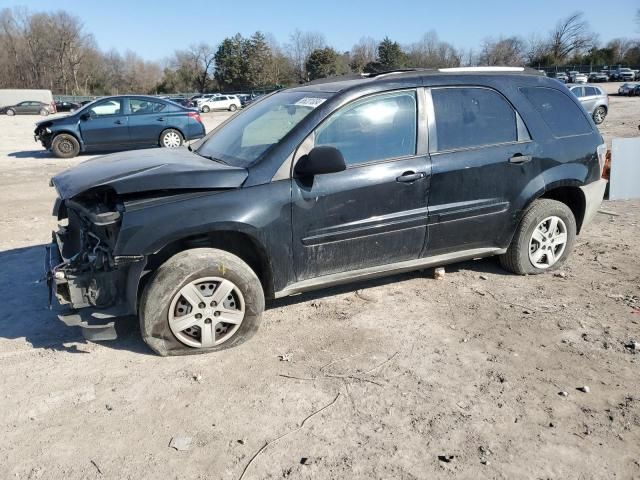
(148, 170)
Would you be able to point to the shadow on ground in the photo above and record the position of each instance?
(25, 297)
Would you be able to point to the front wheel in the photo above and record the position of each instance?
(544, 239)
(65, 146)
(205, 109)
(200, 300)
(171, 138)
(599, 115)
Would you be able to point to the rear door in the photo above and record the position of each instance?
(589, 98)
(147, 120)
(482, 162)
(374, 212)
(104, 125)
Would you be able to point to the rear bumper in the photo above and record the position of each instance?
(593, 195)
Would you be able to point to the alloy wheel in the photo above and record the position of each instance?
(548, 242)
(206, 312)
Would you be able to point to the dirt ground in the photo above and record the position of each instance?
(421, 378)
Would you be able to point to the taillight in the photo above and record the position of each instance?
(603, 154)
(195, 116)
(53, 107)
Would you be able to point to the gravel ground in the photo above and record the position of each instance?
(423, 378)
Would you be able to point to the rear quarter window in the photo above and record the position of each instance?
(563, 117)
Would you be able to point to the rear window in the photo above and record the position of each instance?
(559, 112)
(469, 117)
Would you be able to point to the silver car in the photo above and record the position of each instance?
(594, 100)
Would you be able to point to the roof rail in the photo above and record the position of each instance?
(481, 69)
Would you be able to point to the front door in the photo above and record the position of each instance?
(484, 166)
(374, 212)
(104, 125)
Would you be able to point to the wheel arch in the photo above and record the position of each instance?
(177, 129)
(569, 193)
(66, 131)
(240, 243)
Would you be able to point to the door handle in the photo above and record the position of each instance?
(161, 119)
(118, 122)
(519, 159)
(408, 177)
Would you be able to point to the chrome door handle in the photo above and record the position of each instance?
(410, 177)
(520, 159)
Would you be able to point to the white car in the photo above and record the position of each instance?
(203, 98)
(580, 78)
(221, 102)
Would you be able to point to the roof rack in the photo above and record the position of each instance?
(487, 69)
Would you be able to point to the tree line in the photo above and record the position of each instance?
(53, 50)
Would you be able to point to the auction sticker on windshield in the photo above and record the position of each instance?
(312, 102)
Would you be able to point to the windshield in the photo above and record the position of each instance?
(246, 137)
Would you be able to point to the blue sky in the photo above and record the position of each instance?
(154, 29)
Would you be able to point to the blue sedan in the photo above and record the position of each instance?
(120, 122)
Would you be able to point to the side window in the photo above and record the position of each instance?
(578, 91)
(590, 91)
(563, 117)
(106, 107)
(472, 117)
(375, 128)
(140, 106)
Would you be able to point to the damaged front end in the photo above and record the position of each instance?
(43, 134)
(82, 271)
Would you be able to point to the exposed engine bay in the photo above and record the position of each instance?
(82, 265)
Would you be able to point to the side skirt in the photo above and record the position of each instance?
(384, 270)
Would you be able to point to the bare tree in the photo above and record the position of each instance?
(431, 52)
(362, 53)
(504, 51)
(300, 46)
(571, 36)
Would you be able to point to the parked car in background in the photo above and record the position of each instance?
(596, 77)
(14, 96)
(626, 88)
(572, 75)
(67, 106)
(622, 74)
(637, 74)
(562, 77)
(594, 100)
(185, 102)
(245, 98)
(28, 108)
(324, 184)
(111, 123)
(580, 78)
(203, 98)
(635, 91)
(221, 102)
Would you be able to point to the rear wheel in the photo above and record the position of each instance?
(544, 239)
(11, 112)
(599, 115)
(65, 146)
(200, 300)
(171, 138)
(232, 107)
(44, 112)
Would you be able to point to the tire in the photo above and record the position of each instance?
(205, 109)
(44, 112)
(171, 138)
(233, 107)
(11, 112)
(162, 300)
(64, 145)
(518, 258)
(599, 114)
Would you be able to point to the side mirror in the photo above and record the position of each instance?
(85, 116)
(320, 160)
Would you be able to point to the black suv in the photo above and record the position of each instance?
(324, 184)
